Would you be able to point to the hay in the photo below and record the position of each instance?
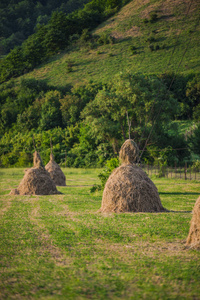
(128, 189)
(36, 181)
(55, 172)
(129, 152)
(193, 239)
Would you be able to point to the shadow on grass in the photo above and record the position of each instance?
(177, 193)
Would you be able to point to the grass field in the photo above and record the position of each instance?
(61, 247)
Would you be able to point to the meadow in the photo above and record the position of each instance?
(62, 247)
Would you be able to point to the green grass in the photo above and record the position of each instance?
(62, 247)
(172, 32)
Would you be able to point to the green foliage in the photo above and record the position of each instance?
(196, 165)
(110, 165)
(105, 38)
(133, 49)
(55, 36)
(50, 111)
(139, 95)
(153, 17)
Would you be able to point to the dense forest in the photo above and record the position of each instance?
(87, 122)
(19, 19)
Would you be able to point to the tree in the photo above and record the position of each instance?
(145, 99)
(50, 111)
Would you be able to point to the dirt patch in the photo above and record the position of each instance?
(166, 8)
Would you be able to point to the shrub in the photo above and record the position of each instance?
(151, 47)
(153, 17)
(133, 49)
(105, 39)
(111, 164)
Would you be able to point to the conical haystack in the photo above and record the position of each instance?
(36, 180)
(193, 239)
(55, 172)
(128, 189)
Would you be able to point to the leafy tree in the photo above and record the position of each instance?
(50, 111)
(144, 99)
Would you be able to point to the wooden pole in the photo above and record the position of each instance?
(185, 171)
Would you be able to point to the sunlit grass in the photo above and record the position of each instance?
(61, 246)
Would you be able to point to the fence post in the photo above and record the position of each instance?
(175, 169)
(65, 158)
(185, 171)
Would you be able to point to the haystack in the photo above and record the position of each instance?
(129, 189)
(36, 180)
(55, 172)
(193, 239)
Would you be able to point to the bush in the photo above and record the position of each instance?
(153, 17)
(105, 39)
(133, 49)
(111, 164)
(151, 47)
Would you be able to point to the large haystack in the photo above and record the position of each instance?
(55, 172)
(193, 239)
(36, 180)
(128, 189)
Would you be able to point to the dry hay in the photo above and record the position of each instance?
(193, 239)
(36, 180)
(55, 172)
(129, 152)
(129, 189)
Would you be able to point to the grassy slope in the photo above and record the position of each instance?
(60, 247)
(174, 27)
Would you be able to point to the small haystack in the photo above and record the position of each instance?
(36, 180)
(128, 189)
(55, 172)
(193, 239)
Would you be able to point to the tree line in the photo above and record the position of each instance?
(88, 123)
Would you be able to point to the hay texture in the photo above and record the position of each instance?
(55, 172)
(36, 180)
(129, 152)
(129, 189)
(193, 239)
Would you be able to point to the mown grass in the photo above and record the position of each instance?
(62, 247)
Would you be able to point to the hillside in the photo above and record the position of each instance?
(137, 74)
(170, 43)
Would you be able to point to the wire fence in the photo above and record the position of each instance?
(175, 172)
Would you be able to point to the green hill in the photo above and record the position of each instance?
(150, 37)
(141, 67)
